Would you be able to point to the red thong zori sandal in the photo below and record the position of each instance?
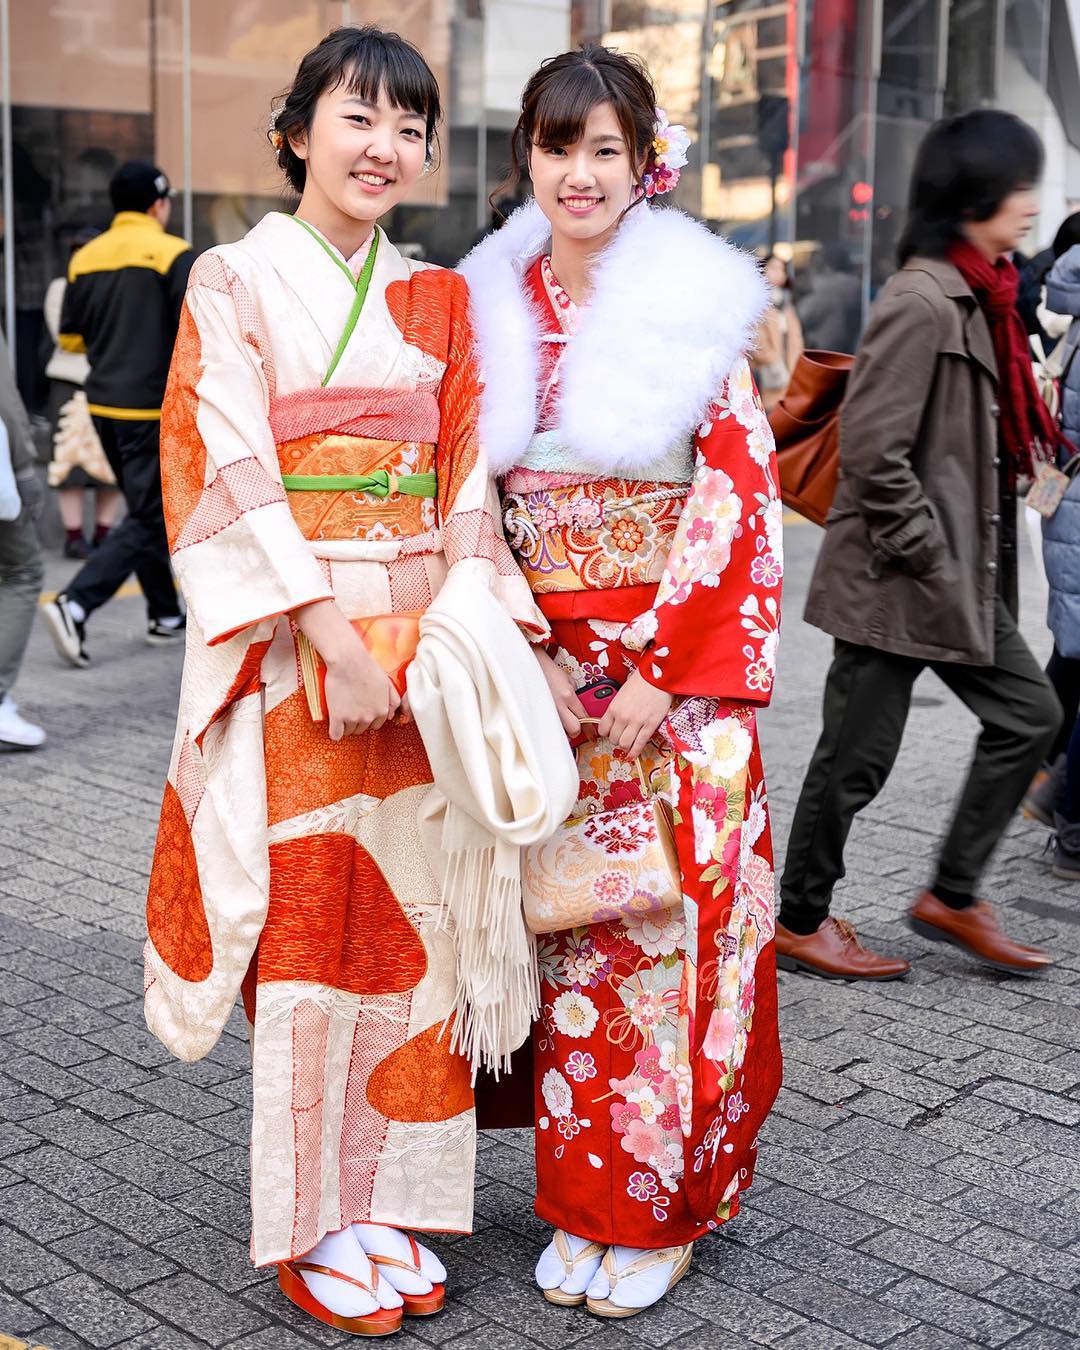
(415, 1305)
(381, 1322)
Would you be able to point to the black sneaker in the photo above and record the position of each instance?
(68, 635)
(166, 635)
(78, 549)
(1042, 796)
(1066, 864)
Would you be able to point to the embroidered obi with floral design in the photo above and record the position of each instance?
(381, 452)
(591, 535)
(575, 531)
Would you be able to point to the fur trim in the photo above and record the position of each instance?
(673, 309)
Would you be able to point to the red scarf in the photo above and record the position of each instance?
(1029, 432)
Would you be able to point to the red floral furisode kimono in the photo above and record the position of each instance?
(287, 862)
(657, 1058)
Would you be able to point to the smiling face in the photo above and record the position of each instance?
(361, 158)
(584, 188)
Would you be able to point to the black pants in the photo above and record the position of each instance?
(138, 543)
(1063, 672)
(867, 696)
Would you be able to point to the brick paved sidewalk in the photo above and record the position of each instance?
(918, 1183)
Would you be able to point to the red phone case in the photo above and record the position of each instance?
(594, 697)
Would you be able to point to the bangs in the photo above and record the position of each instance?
(373, 65)
(565, 103)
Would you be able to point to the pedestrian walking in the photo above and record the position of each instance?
(121, 308)
(78, 465)
(21, 568)
(918, 566)
(1055, 797)
(779, 341)
(640, 493)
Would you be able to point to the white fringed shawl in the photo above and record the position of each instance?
(504, 777)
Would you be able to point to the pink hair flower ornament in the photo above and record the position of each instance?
(666, 158)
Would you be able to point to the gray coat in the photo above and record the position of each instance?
(916, 548)
(1061, 532)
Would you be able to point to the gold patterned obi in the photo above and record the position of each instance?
(380, 512)
(593, 535)
(379, 444)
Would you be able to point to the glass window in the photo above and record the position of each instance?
(74, 121)
(973, 45)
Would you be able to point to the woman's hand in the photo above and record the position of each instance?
(359, 696)
(634, 714)
(562, 691)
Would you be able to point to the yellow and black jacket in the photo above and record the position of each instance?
(122, 308)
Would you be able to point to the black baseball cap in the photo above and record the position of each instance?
(137, 185)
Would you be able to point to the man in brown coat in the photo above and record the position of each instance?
(918, 567)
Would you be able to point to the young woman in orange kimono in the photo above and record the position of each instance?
(640, 494)
(320, 465)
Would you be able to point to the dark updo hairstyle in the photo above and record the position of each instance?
(965, 168)
(367, 61)
(557, 100)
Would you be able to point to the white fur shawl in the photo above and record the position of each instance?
(673, 307)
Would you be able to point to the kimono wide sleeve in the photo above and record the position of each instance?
(714, 626)
(468, 497)
(236, 549)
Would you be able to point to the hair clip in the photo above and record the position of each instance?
(666, 157)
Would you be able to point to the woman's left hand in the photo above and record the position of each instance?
(634, 714)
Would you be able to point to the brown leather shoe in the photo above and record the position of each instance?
(976, 930)
(835, 952)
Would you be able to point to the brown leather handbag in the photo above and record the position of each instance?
(806, 426)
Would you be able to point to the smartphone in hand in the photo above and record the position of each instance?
(594, 697)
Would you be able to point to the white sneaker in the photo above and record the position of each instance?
(16, 733)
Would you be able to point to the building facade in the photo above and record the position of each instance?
(805, 114)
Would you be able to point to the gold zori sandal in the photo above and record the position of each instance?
(603, 1307)
(570, 1263)
(379, 1322)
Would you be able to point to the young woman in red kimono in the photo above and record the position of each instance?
(639, 489)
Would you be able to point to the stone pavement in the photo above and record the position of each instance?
(918, 1183)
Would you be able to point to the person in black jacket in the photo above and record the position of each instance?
(122, 308)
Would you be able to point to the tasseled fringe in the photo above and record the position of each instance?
(498, 986)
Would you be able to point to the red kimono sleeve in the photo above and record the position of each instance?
(714, 625)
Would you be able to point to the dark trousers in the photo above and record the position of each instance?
(1063, 672)
(138, 543)
(867, 696)
(21, 574)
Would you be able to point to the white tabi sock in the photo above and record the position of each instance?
(341, 1251)
(635, 1291)
(379, 1239)
(551, 1270)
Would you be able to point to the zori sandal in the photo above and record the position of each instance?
(605, 1307)
(380, 1322)
(414, 1305)
(565, 1253)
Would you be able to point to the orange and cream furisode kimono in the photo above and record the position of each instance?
(286, 862)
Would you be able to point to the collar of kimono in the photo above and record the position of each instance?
(672, 308)
(320, 282)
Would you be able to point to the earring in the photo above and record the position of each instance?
(427, 167)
